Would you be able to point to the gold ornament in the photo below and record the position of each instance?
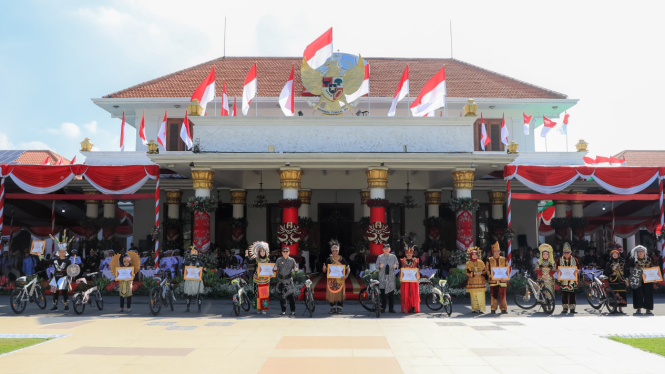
(578, 201)
(512, 148)
(581, 146)
(91, 193)
(377, 178)
(202, 179)
(86, 146)
(194, 108)
(290, 178)
(305, 196)
(364, 196)
(152, 148)
(470, 109)
(238, 196)
(433, 197)
(332, 86)
(560, 202)
(463, 179)
(173, 197)
(497, 197)
(109, 201)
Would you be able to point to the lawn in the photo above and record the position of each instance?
(8, 345)
(654, 345)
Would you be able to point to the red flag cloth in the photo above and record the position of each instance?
(142, 129)
(161, 135)
(614, 160)
(250, 89)
(185, 134)
(601, 159)
(319, 50)
(484, 138)
(589, 160)
(225, 101)
(47, 161)
(548, 124)
(59, 161)
(401, 92)
(235, 108)
(73, 161)
(527, 120)
(504, 130)
(205, 92)
(287, 96)
(432, 96)
(122, 132)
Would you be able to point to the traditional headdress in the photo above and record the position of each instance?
(334, 244)
(496, 246)
(192, 249)
(409, 242)
(633, 253)
(135, 262)
(472, 250)
(62, 245)
(254, 249)
(566, 248)
(545, 248)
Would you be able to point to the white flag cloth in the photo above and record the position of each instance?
(122, 133)
(161, 135)
(402, 91)
(504, 130)
(319, 50)
(564, 127)
(527, 120)
(225, 101)
(142, 129)
(484, 138)
(287, 96)
(249, 90)
(185, 134)
(205, 92)
(548, 124)
(432, 96)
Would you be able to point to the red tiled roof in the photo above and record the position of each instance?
(643, 158)
(37, 157)
(462, 79)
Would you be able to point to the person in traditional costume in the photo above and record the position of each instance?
(336, 290)
(60, 282)
(614, 270)
(475, 286)
(387, 264)
(568, 299)
(194, 288)
(546, 267)
(410, 291)
(125, 286)
(257, 254)
(642, 292)
(284, 267)
(497, 287)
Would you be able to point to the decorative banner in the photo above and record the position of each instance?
(202, 231)
(377, 214)
(237, 233)
(377, 232)
(433, 233)
(464, 223)
(108, 233)
(172, 233)
(288, 233)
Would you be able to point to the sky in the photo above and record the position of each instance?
(56, 56)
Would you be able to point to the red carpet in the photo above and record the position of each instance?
(353, 285)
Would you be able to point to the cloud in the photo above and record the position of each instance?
(4, 142)
(91, 127)
(34, 145)
(68, 129)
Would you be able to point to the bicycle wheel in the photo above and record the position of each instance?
(79, 305)
(447, 305)
(548, 301)
(236, 308)
(524, 298)
(593, 296)
(155, 302)
(98, 300)
(610, 300)
(17, 301)
(376, 302)
(365, 300)
(169, 298)
(40, 299)
(309, 303)
(433, 301)
(245, 303)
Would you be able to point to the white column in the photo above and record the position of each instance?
(305, 197)
(109, 208)
(497, 199)
(433, 201)
(560, 207)
(378, 188)
(173, 198)
(238, 201)
(364, 196)
(630, 243)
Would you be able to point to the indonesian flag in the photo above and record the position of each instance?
(402, 91)
(161, 135)
(287, 96)
(249, 90)
(205, 92)
(614, 160)
(527, 120)
(548, 124)
(362, 91)
(142, 128)
(59, 161)
(589, 160)
(484, 139)
(235, 108)
(504, 130)
(73, 161)
(432, 96)
(320, 50)
(602, 160)
(47, 161)
(225, 101)
(122, 132)
(564, 128)
(185, 134)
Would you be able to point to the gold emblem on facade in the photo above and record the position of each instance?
(332, 86)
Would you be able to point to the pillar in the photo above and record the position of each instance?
(463, 183)
(109, 212)
(202, 184)
(238, 201)
(364, 196)
(497, 199)
(433, 201)
(560, 212)
(305, 197)
(289, 233)
(578, 212)
(377, 182)
(91, 211)
(173, 199)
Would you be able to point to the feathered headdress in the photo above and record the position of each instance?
(633, 252)
(62, 245)
(409, 242)
(334, 245)
(254, 249)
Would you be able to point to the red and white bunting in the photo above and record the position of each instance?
(122, 132)
(249, 89)
(161, 135)
(362, 91)
(504, 130)
(205, 92)
(225, 101)
(73, 161)
(564, 127)
(548, 125)
(484, 138)
(401, 92)
(185, 134)
(319, 50)
(287, 96)
(47, 161)
(59, 162)
(527, 121)
(432, 96)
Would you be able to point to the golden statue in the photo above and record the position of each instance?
(332, 86)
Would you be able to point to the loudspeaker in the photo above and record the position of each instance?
(521, 241)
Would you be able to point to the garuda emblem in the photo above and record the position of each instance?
(333, 85)
(377, 232)
(288, 233)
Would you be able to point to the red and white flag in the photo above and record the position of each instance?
(527, 121)
(142, 129)
(205, 92)
(319, 50)
(59, 162)
(401, 92)
(287, 96)
(122, 132)
(235, 108)
(564, 128)
(185, 134)
(225, 101)
(602, 160)
(47, 161)
(548, 125)
(161, 135)
(615, 160)
(362, 91)
(504, 130)
(73, 161)
(432, 96)
(484, 138)
(249, 90)
(589, 160)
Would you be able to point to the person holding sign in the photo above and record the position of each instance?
(258, 254)
(409, 291)
(387, 263)
(193, 276)
(546, 267)
(284, 266)
(642, 291)
(498, 273)
(568, 287)
(614, 270)
(335, 290)
(124, 268)
(475, 286)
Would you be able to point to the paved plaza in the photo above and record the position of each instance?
(178, 342)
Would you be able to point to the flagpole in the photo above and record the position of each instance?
(566, 140)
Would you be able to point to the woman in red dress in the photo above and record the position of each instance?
(410, 291)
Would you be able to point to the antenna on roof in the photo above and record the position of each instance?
(224, 36)
(451, 38)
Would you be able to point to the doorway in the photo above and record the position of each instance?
(336, 222)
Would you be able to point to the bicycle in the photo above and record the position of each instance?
(439, 297)
(599, 295)
(162, 294)
(532, 294)
(240, 299)
(27, 293)
(80, 299)
(308, 298)
(369, 296)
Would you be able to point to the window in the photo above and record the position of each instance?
(395, 219)
(493, 127)
(273, 220)
(173, 141)
(223, 215)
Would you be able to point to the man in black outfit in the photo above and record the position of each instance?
(60, 282)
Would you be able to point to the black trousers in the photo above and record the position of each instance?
(129, 302)
(568, 298)
(65, 297)
(337, 303)
(292, 303)
(643, 297)
(391, 300)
